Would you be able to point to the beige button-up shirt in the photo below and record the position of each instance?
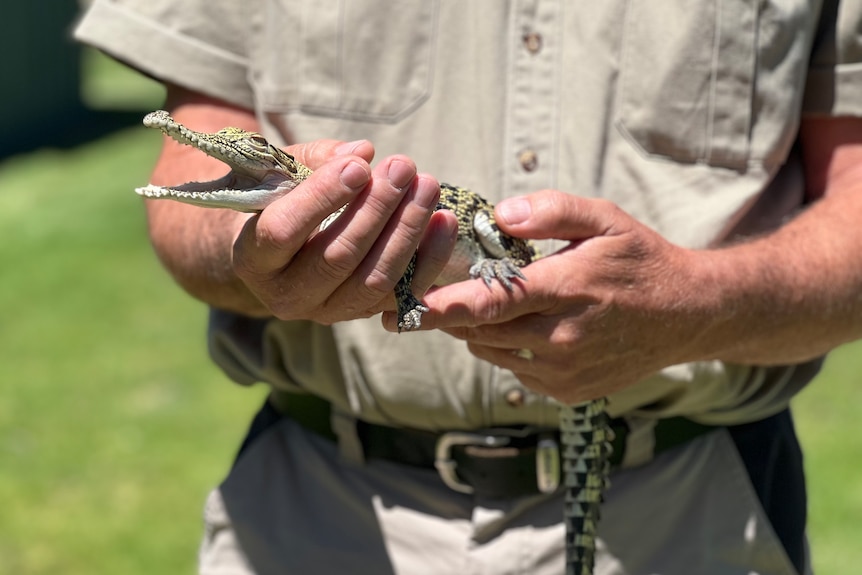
(683, 112)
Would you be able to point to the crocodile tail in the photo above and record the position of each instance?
(585, 437)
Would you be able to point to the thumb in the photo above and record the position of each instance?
(315, 154)
(551, 214)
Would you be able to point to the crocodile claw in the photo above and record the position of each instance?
(410, 314)
(503, 269)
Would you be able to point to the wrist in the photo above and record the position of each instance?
(758, 312)
(703, 304)
(719, 286)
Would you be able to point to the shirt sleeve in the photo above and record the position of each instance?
(198, 44)
(834, 85)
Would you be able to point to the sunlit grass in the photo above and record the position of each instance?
(827, 414)
(113, 423)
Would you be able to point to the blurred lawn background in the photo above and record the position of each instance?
(113, 423)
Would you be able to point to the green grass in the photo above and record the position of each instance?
(113, 422)
(826, 415)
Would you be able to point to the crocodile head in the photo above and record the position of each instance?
(259, 172)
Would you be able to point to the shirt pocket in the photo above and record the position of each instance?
(346, 58)
(687, 79)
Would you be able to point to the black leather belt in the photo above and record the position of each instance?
(498, 463)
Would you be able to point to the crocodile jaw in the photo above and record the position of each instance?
(260, 172)
(221, 193)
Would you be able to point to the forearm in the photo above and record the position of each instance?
(790, 296)
(195, 244)
(196, 249)
(795, 294)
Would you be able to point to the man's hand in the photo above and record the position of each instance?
(276, 263)
(348, 270)
(619, 302)
(598, 315)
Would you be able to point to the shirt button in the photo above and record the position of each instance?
(515, 397)
(529, 160)
(533, 42)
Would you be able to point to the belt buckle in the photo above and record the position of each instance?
(443, 455)
(547, 456)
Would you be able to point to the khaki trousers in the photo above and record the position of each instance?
(293, 505)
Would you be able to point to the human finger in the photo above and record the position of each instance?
(551, 214)
(471, 303)
(316, 153)
(432, 256)
(545, 373)
(434, 250)
(395, 244)
(269, 241)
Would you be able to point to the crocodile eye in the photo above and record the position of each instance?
(259, 140)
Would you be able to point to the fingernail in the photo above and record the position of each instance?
(427, 193)
(348, 148)
(390, 323)
(401, 174)
(514, 211)
(354, 176)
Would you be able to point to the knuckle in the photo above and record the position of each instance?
(338, 308)
(340, 258)
(377, 285)
(382, 200)
(365, 295)
(489, 307)
(274, 236)
(245, 268)
(314, 153)
(561, 332)
(606, 205)
(411, 227)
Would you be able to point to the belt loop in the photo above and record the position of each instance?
(349, 444)
(640, 442)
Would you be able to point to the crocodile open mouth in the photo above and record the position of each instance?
(230, 191)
